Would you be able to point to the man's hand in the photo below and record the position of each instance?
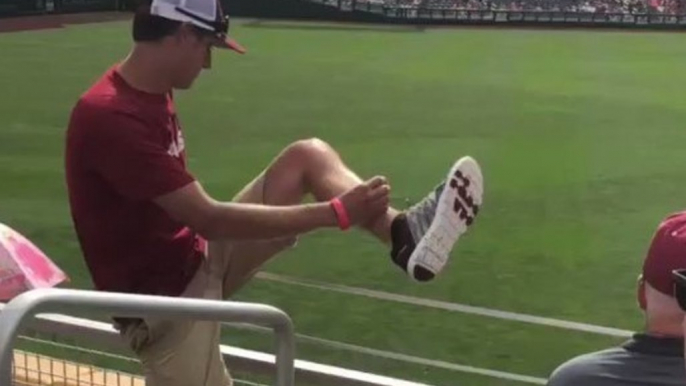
(367, 200)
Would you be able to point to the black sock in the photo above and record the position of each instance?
(402, 243)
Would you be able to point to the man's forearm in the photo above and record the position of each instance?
(251, 221)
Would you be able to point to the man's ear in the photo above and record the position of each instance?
(183, 33)
(641, 293)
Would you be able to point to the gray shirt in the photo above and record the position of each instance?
(642, 361)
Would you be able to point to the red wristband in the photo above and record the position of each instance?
(341, 213)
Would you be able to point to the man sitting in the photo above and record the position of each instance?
(653, 357)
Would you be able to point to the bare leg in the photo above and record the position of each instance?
(313, 167)
(422, 240)
(304, 167)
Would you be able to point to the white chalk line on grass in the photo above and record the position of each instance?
(448, 306)
(249, 383)
(424, 361)
(415, 360)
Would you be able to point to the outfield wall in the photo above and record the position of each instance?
(393, 12)
(9, 8)
(298, 9)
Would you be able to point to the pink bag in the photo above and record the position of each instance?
(23, 266)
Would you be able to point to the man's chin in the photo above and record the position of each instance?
(183, 86)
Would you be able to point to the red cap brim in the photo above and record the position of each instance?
(228, 43)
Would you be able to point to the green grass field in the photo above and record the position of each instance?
(580, 135)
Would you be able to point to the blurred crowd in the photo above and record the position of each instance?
(667, 7)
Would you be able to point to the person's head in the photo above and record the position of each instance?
(656, 289)
(180, 35)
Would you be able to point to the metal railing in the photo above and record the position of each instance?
(20, 310)
(85, 335)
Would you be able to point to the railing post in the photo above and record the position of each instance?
(26, 305)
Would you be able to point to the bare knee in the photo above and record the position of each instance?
(312, 151)
(311, 165)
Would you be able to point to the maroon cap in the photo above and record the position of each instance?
(667, 253)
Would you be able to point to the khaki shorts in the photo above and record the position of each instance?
(186, 353)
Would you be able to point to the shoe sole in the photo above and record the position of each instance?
(457, 208)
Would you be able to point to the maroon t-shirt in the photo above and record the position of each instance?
(124, 148)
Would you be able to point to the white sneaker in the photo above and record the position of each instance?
(437, 221)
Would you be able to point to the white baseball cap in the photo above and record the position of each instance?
(204, 14)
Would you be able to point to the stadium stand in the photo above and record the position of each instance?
(630, 7)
